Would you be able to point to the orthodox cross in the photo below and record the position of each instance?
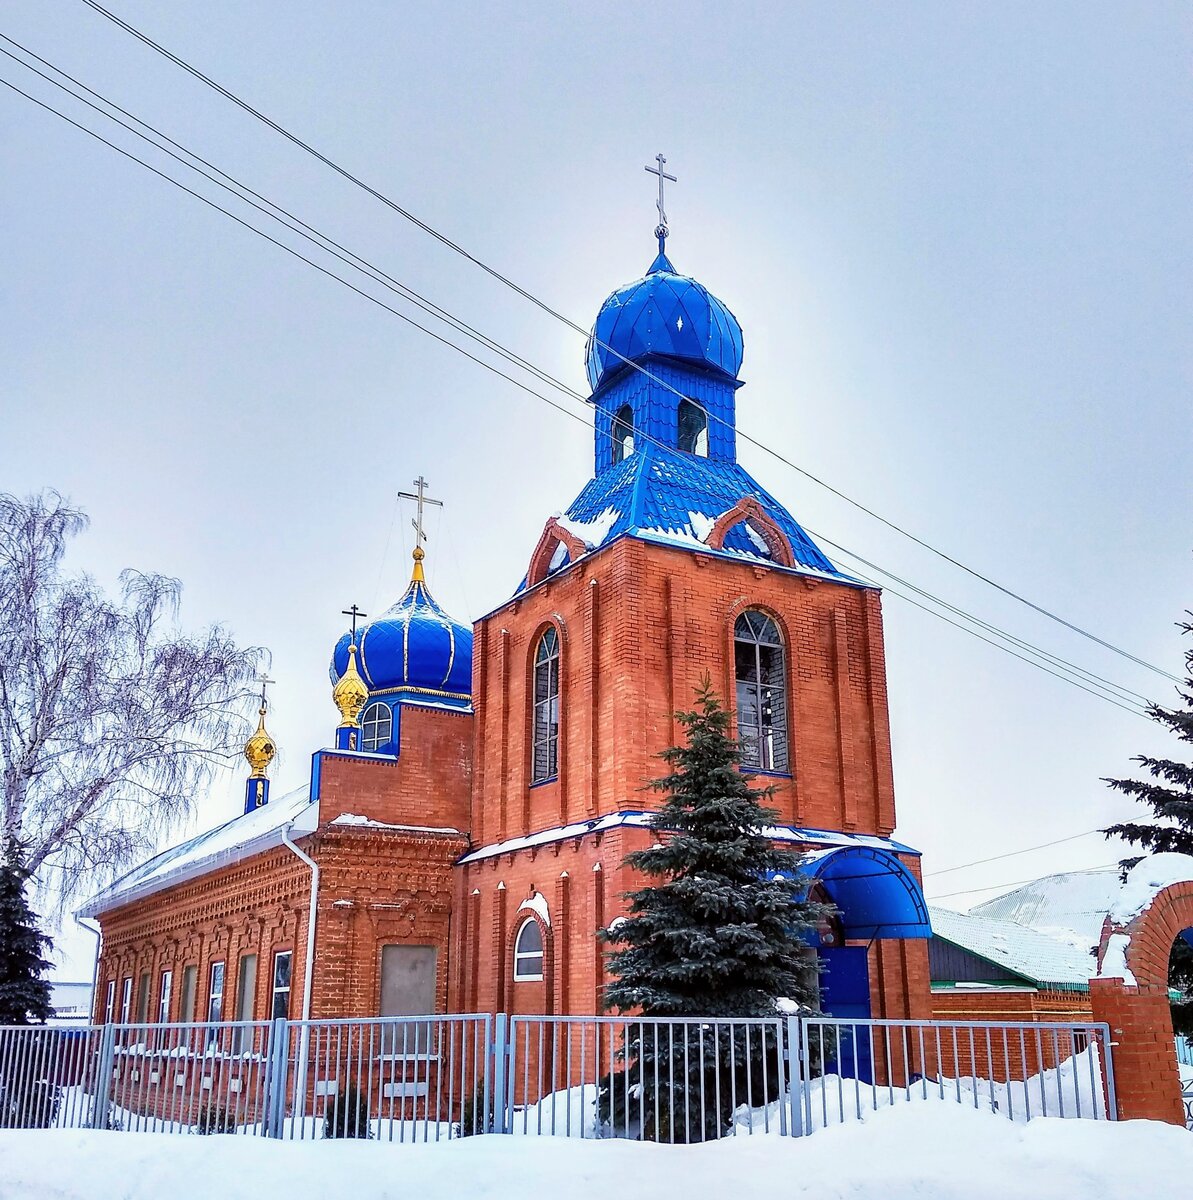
(661, 231)
(421, 497)
(354, 613)
(264, 681)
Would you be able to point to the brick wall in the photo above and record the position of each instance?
(639, 626)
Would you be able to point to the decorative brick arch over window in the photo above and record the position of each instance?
(1131, 995)
(748, 510)
(553, 536)
(524, 915)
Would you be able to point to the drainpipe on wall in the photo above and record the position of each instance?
(304, 1042)
(97, 934)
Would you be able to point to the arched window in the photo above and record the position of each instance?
(761, 676)
(528, 953)
(546, 708)
(693, 429)
(376, 726)
(623, 433)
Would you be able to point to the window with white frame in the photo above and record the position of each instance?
(545, 756)
(692, 432)
(761, 677)
(215, 993)
(163, 999)
(623, 433)
(376, 726)
(110, 1002)
(126, 1000)
(528, 953)
(280, 1003)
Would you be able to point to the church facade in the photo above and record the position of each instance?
(462, 841)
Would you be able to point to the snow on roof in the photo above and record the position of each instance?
(1044, 960)
(356, 819)
(1070, 906)
(639, 818)
(231, 842)
(1146, 880)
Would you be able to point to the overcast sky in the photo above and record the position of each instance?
(957, 237)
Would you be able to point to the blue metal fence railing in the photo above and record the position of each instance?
(435, 1078)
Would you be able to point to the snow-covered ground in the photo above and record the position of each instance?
(928, 1152)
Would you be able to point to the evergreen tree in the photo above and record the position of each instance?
(718, 932)
(1168, 792)
(24, 994)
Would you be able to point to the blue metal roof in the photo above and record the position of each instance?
(414, 644)
(664, 495)
(663, 313)
(875, 894)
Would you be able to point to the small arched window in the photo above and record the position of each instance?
(528, 953)
(376, 726)
(693, 429)
(545, 763)
(623, 433)
(761, 677)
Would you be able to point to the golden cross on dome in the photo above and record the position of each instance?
(661, 231)
(354, 613)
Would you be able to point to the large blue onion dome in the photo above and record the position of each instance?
(663, 313)
(413, 647)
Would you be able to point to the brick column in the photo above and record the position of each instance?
(1145, 1069)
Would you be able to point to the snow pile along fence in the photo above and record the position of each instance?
(435, 1078)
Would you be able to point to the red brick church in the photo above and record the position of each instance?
(461, 842)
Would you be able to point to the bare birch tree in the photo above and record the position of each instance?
(112, 717)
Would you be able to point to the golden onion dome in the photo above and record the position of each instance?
(350, 692)
(260, 748)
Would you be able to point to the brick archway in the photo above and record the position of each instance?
(1131, 996)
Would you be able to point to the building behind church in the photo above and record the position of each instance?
(461, 841)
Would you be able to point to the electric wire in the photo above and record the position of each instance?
(231, 96)
(1011, 854)
(1010, 884)
(447, 342)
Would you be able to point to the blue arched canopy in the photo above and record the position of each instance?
(875, 894)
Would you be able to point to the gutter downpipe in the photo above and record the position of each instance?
(96, 933)
(304, 1042)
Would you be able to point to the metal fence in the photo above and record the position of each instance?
(1019, 1069)
(419, 1079)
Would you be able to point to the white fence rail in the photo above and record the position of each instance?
(433, 1078)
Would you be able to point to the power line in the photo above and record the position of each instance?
(1011, 854)
(368, 269)
(1013, 883)
(158, 48)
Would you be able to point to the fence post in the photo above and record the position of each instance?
(1107, 1050)
(500, 1061)
(103, 1078)
(795, 1077)
(275, 1075)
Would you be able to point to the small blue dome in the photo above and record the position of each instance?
(663, 313)
(414, 645)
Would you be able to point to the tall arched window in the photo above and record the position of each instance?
(528, 953)
(693, 429)
(761, 675)
(623, 433)
(545, 763)
(376, 726)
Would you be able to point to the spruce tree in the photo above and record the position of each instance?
(24, 994)
(1168, 791)
(719, 931)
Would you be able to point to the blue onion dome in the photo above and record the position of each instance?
(663, 313)
(414, 646)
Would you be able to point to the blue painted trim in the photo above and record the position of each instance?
(538, 783)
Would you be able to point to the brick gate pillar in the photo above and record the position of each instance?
(1145, 1068)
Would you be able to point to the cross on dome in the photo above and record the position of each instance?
(661, 230)
(420, 497)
